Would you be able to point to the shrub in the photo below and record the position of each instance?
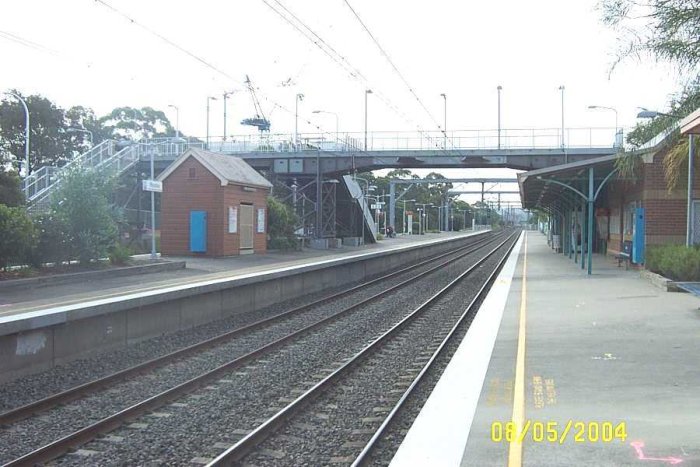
(82, 202)
(380, 236)
(282, 244)
(676, 262)
(281, 223)
(18, 235)
(53, 241)
(120, 254)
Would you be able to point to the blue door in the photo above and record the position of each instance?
(638, 237)
(198, 231)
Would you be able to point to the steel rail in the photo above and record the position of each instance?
(362, 458)
(80, 391)
(239, 450)
(90, 432)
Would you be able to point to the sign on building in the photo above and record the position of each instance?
(152, 185)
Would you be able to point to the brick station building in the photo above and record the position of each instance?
(213, 205)
(627, 215)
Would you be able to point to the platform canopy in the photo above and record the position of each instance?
(690, 125)
(544, 188)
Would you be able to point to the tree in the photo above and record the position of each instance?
(666, 30)
(281, 224)
(49, 142)
(131, 123)
(82, 205)
(18, 236)
(10, 192)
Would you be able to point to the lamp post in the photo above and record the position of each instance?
(444, 127)
(561, 88)
(81, 130)
(405, 217)
(421, 226)
(367, 92)
(602, 107)
(499, 88)
(209, 98)
(26, 132)
(299, 97)
(336, 120)
(226, 94)
(177, 119)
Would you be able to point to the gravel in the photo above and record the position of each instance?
(235, 404)
(26, 435)
(340, 422)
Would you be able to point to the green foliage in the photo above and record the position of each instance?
(132, 123)
(666, 30)
(18, 235)
(10, 191)
(82, 203)
(53, 242)
(119, 255)
(281, 223)
(380, 236)
(676, 262)
(283, 244)
(49, 143)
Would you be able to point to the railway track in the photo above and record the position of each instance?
(115, 420)
(344, 415)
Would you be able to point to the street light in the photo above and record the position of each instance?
(299, 97)
(226, 94)
(367, 92)
(336, 120)
(26, 133)
(405, 217)
(499, 88)
(209, 98)
(420, 223)
(177, 119)
(561, 88)
(444, 129)
(81, 130)
(645, 113)
(602, 107)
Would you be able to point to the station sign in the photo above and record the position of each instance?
(152, 185)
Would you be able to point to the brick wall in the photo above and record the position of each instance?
(182, 194)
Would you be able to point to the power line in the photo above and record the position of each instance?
(166, 40)
(393, 65)
(341, 61)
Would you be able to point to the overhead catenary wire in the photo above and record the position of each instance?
(198, 58)
(322, 44)
(395, 68)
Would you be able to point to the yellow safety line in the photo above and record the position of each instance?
(515, 451)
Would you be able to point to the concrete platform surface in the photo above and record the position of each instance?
(611, 353)
(198, 269)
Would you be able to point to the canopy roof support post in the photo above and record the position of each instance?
(591, 201)
(583, 235)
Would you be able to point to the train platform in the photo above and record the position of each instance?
(13, 302)
(588, 370)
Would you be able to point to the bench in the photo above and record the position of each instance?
(625, 254)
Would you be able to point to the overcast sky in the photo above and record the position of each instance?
(84, 53)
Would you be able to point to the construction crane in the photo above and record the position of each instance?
(259, 121)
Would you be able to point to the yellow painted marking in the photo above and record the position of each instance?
(515, 450)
